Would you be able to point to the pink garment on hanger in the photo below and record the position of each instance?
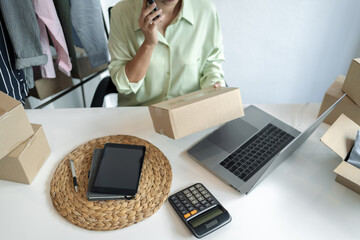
(48, 20)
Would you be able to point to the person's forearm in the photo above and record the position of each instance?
(136, 68)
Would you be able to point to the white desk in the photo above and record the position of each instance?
(299, 200)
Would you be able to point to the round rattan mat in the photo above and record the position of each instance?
(153, 189)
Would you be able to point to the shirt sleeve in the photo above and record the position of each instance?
(120, 56)
(212, 71)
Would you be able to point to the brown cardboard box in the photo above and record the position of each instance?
(340, 138)
(352, 82)
(190, 113)
(346, 106)
(14, 124)
(46, 87)
(23, 163)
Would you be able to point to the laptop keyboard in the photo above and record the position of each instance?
(256, 152)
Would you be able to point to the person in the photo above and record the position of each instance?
(158, 58)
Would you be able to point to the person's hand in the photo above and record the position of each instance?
(148, 25)
(217, 85)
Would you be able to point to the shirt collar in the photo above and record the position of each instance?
(186, 12)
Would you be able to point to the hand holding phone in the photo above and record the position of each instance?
(155, 9)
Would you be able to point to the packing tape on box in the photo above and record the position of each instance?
(4, 115)
(2, 112)
(32, 138)
(189, 98)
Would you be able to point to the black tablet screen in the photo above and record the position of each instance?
(119, 169)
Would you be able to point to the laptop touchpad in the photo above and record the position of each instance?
(232, 134)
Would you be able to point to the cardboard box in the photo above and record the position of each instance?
(46, 87)
(14, 124)
(23, 163)
(352, 82)
(190, 113)
(340, 138)
(346, 106)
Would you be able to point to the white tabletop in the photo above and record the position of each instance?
(299, 200)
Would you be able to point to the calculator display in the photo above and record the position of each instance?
(205, 217)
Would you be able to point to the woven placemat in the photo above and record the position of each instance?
(153, 189)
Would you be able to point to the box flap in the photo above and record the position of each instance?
(17, 151)
(192, 97)
(340, 137)
(357, 60)
(348, 171)
(7, 103)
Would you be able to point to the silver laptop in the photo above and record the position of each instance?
(244, 151)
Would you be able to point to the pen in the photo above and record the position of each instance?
(73, 174)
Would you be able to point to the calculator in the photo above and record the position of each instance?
(199, 210)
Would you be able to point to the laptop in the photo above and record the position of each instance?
(244, 151)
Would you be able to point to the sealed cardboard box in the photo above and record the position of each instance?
(14, 124)
(340, 138)
(352, 82)
(190, 113)
(346, 106)
(22, 164)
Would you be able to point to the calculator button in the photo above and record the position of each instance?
(207, 204)
(197, 195)
(195, 192)
(193, 212)
(189, 195)
(188, 205)
(209, 199)
(178, 204)
(212, 202)
(191, 208)
(201, 189)
(185, 201)
(197, 205)
(181, 197)
(207, 195)
(186, 191)
(181, 208)
(173, 198)
(187, 215)
(201, 199)
(204, 192)
(201, 208)
(194, 202)
(183, 212)
(192, 188)
(198, 185)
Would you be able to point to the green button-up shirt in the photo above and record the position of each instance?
(186, 59)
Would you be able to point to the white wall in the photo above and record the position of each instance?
(281, 51)
(286, 51)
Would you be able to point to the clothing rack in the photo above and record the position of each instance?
(82, 81)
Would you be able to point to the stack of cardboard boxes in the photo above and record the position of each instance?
(350, 105)
(23, 146)
(345, 121)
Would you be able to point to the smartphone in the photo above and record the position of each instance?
(156, 8)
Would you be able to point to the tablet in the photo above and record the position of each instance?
(119, 169)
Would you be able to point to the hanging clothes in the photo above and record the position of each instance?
(12, 80)
(63, 11)
(90, 30)
(48, 20)
(20, 21)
